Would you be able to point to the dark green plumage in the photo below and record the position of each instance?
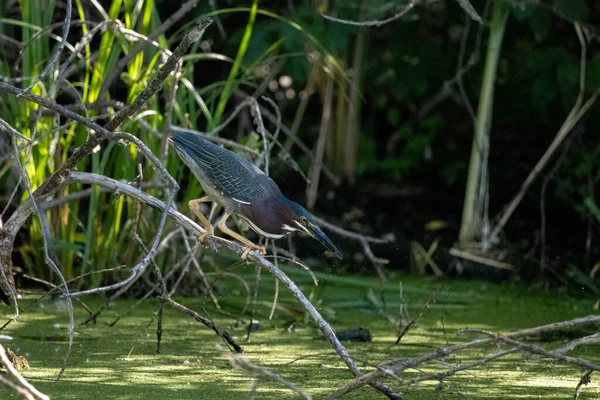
(243, 189)
(231, 174)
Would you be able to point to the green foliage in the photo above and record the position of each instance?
(577, 176)
(580, 278)
(592, 207)
(415, 143)
(229, 84)
(576, 10)
(84, 231)
(405, 65)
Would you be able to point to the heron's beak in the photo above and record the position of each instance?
(316, 233)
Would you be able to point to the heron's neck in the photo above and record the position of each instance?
(288, 228)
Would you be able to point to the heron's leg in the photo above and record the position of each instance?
(249, 245)
(195, 208)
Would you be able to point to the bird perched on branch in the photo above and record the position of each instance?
(241, 188)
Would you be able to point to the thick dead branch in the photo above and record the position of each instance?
(395, 367)
(218, 244)
(537, 350)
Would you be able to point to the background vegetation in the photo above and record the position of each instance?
(402, 99)
(454, 138)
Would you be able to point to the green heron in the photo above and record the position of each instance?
(241, 188)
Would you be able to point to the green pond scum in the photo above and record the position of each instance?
(121, 362)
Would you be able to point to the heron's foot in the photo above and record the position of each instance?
(202, 238)
(248, 249)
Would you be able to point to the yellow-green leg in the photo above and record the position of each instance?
(195, 208)
(249, 245)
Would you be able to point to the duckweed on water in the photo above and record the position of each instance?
(121, 361)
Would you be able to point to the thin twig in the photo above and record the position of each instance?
(218, 244)
(574, 117)
(301, 145)
(376, 23)
(61, 46)
(183, 261)
(209, 323)
(276, 295)
(349, 234)
(169, 22)
(248, 366)
(412, 322)
(394, 367)
(49, 261)
(254, 298)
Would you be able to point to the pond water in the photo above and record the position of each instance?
(121, 361)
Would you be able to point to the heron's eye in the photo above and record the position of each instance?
(303, 220)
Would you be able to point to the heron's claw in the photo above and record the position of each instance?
(202, 238)
(248, 249)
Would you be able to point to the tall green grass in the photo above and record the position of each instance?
(94, 232)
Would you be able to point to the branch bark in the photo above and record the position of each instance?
(218, 244)
(52, 184)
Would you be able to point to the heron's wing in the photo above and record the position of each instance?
(233, 175)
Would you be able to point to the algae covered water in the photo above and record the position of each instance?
(121, 361)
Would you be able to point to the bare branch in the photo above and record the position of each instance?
(23, 387)
(169, 22)
(157, 83)
(394, 367)
(222, 334)
(376, 23)
(466, 5)
(217, 244)
(61, 46)
(591, 339)
(574, 117)
(537, 350)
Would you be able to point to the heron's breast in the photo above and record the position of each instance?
(264, 219)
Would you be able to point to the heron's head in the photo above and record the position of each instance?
(302, 220)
